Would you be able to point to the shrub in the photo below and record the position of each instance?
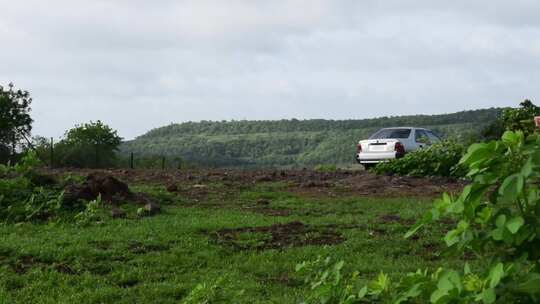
(519, 119)
(498, 218)
(440, 159)
(89, 145)
(20, 199)
(90, 214)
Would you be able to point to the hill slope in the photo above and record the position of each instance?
(288, 142)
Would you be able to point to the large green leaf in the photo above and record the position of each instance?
(496, 274)
(511, 187)
(511, 138)
(514, 224)
(475, 153)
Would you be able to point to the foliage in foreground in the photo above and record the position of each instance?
(439, 159)
(499, 220)
(24, 199)
(510, 119)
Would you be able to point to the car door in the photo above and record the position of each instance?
(421, 139)
(433, 137)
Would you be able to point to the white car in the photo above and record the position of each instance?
(391, 143)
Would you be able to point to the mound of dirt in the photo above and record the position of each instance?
(110, 188)
(277, 236)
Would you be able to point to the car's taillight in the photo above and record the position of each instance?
(358, 148)
(399, 148)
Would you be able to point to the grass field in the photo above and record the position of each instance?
(243, 238)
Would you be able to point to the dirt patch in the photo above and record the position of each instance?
(24, 263)
(371, 184)
(278, 236)
(64, 268)
(430, 251)
(101, 245)
(394, 218)
(141, 248)
(304, 181)
(269, 211)
(128, 283)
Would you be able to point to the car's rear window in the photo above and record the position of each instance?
(391, 133)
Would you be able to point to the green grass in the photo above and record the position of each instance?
(161, 259)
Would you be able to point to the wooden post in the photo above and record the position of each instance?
(97, 156)
(52, 152)
(131, 160)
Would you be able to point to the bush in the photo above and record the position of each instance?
(498, 218)
(89, 145)
(20, 199)
(440, 159)
(519, 119)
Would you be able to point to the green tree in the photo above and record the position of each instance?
(15, 120)
(519, 119)
(90, 144)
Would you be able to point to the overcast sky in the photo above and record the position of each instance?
(140, 64)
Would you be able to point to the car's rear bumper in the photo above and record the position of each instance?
(376, 157)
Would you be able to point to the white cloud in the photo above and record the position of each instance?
(142, 64)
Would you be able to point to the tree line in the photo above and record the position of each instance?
(280, 143)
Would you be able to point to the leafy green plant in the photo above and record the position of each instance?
(26, 165)
(29, 162)
(206, 293)
(513, 119)
(498, 218)
(90, 214)
(43, 204)
(440, 159)
(326, 283)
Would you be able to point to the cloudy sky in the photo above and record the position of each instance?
(142, 64)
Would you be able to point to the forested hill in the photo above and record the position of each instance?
(288, 142)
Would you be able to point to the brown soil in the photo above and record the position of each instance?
(110, 188)
(194, 184)
(269, 211)
(277, 236)
(141, 248)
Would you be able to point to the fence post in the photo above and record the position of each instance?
(163, 163)
(52, 152)
(131, 160)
